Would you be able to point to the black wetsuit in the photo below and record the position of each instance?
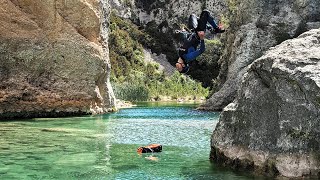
(189, 51)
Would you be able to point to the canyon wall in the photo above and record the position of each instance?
(54, 58)
(255, 26)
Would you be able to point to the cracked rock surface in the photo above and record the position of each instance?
(274, 123)
(53, 58)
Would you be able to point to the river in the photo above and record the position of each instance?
(104, 146)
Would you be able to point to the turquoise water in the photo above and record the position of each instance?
(104, 147)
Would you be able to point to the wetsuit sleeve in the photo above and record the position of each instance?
(202, 46)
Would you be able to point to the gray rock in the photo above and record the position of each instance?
(159, 11)
(164, 65)
(255, 26)
(273, 124)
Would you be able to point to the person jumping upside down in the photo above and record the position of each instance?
(189, 51)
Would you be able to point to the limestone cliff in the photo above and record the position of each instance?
(54, 58)
(255, 26)
(273, 125)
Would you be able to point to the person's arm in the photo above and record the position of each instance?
(193, 54)
(202, 46)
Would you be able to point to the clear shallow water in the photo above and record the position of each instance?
(104, 147)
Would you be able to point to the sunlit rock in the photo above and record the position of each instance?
(273, 125)
(54, 58)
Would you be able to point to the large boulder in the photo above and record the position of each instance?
(255, 26)
(273, 125)
(54, 58)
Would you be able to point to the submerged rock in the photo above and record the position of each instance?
(273, 126)
(54, 58)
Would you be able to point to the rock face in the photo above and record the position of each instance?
(161, 59)
(54, 58)
(255, 26)
(170, 13)
(273, 126)
(143, 12)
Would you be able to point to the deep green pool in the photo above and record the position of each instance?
(104, 147)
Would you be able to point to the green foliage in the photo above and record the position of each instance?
(177, 86)
(318, 100)
(225, 21)
(212, 53)
(127, 3)
(135, 80)
(161, 42)
(232, 5)
(148, 5)
(298, 134)
(131, 91)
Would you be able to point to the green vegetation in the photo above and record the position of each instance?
(135, 80)
(298, 134)
(318, 100)
(232, 4)
(225, 21)
(148, 6)
(127, 3)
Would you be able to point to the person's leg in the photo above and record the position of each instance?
(192, 22)
(205, 18)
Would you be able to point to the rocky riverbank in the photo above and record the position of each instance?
(272, 127)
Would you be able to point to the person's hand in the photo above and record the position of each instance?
(220, 29)
(180, 65)
(201, 35)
